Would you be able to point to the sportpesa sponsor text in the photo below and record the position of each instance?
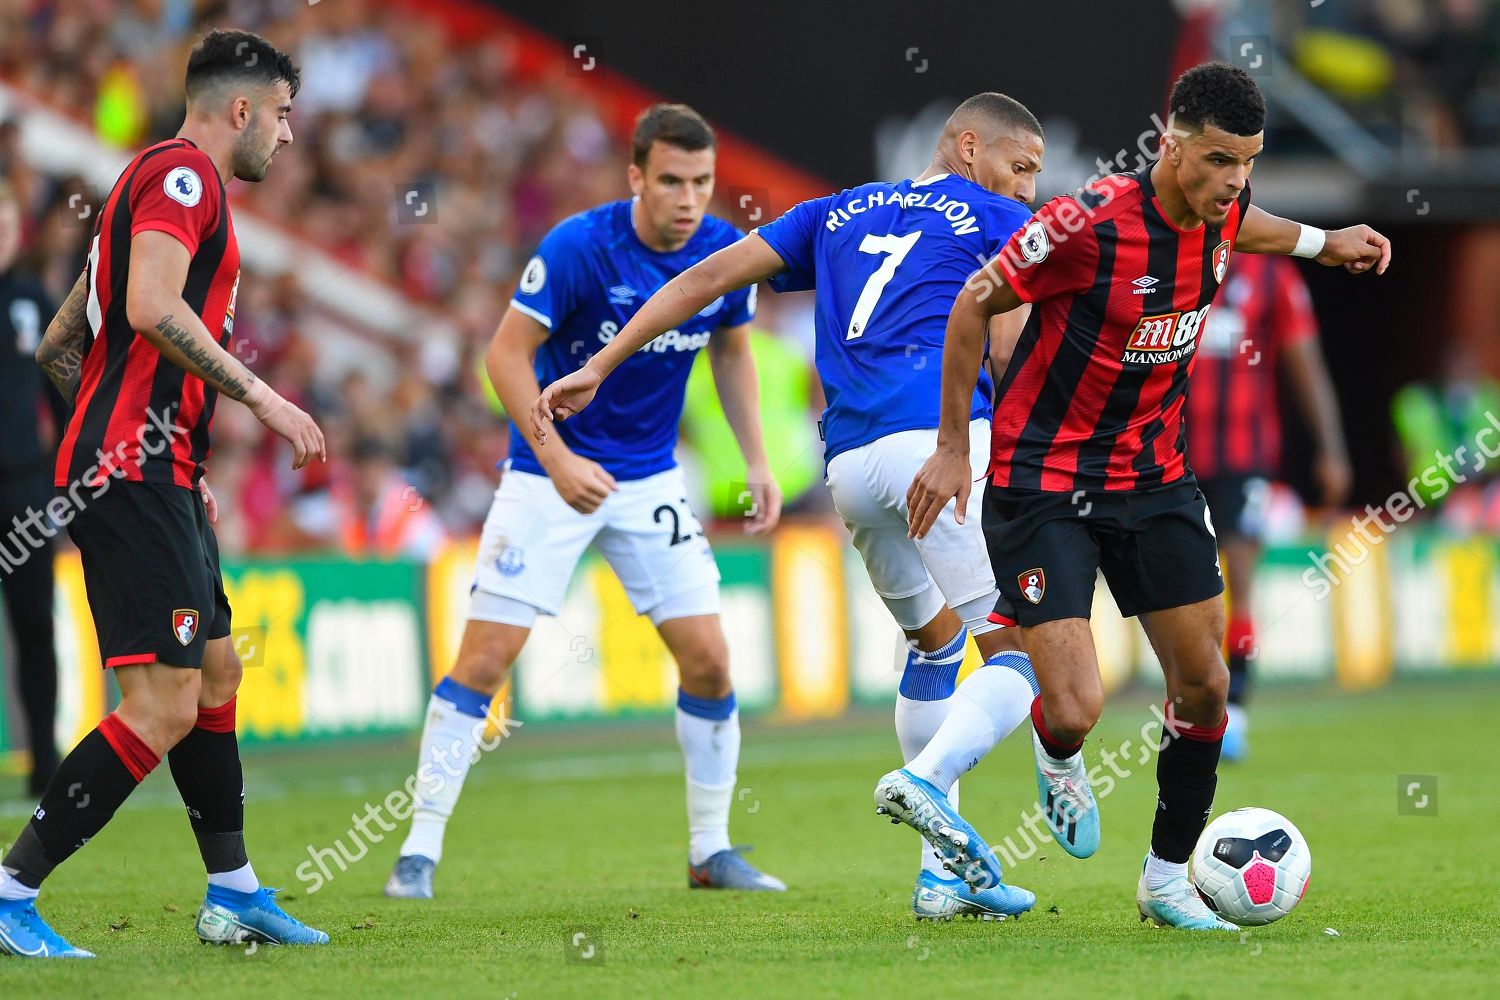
(672, 340)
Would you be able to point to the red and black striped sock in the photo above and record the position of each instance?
(1186, 776)
(206, 767)
(90, 784)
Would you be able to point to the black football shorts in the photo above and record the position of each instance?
(151, 569)
(1239, 504)
(1156, 548)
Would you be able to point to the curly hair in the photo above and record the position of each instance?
(1221, 95)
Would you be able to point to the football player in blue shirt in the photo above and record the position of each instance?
(887, 260)
(610, 480)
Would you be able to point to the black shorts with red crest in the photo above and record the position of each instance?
(1155, 546)
(151, 569)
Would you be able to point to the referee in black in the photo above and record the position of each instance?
(25, 482)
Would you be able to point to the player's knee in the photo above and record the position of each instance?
(1071, 715)
(222, 682)
(705, 669)
(175, 715)
(1077, 719)
(181, 720)
(482, 669)
(1205, 689)
(484, 660)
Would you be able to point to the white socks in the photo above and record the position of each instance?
(985, 709)
(708, 730)
(1159, 872)
(240, 880)
(923, 702)
(11, 888)
(449, 740)
(916, 722)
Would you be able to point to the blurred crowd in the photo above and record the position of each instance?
(1427, 70)
(389, 103)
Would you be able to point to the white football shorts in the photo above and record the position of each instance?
(532, 541)
(916, 578)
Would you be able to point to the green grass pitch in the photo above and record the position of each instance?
(576, 831)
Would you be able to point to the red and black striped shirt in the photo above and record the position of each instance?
(1093, 396)
(138, 416)
(1233, 417)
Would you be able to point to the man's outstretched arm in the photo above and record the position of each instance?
(737, 266)
(1357, 248)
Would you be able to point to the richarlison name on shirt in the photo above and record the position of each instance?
(672, 340)
(956, 212)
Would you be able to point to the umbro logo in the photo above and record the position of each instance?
(621, 295)
(1145, 284)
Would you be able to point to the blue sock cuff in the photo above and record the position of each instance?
(933, 676)
(1020, 663)
(929, 682)
(462, 697)
(716, 709)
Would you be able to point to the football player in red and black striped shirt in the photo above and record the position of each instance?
(1087, 467)
(139, 346)
(1262, 324)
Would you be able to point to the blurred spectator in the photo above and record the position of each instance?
(390, 105)
(32, 416)
(370, 510)
(1438, 424)
(1423, 68)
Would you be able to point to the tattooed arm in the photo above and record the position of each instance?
(156, 309)
(61, 351)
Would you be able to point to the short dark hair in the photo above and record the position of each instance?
(674, 124)
(1218, 94)
(1002, 111)
(225, 55)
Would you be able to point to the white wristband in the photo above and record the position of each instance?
(1309, 242)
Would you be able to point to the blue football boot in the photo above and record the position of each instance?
(231, 917)
(24, 933)
(920, 805)
(937, 898)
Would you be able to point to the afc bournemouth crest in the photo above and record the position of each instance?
(185, 625)
(1033, 584)
(1221, 261)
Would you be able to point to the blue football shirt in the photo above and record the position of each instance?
(588, 278)
(886, 261)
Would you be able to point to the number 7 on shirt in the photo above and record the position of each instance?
(898, 247)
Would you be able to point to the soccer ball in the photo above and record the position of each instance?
(1251, 866)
